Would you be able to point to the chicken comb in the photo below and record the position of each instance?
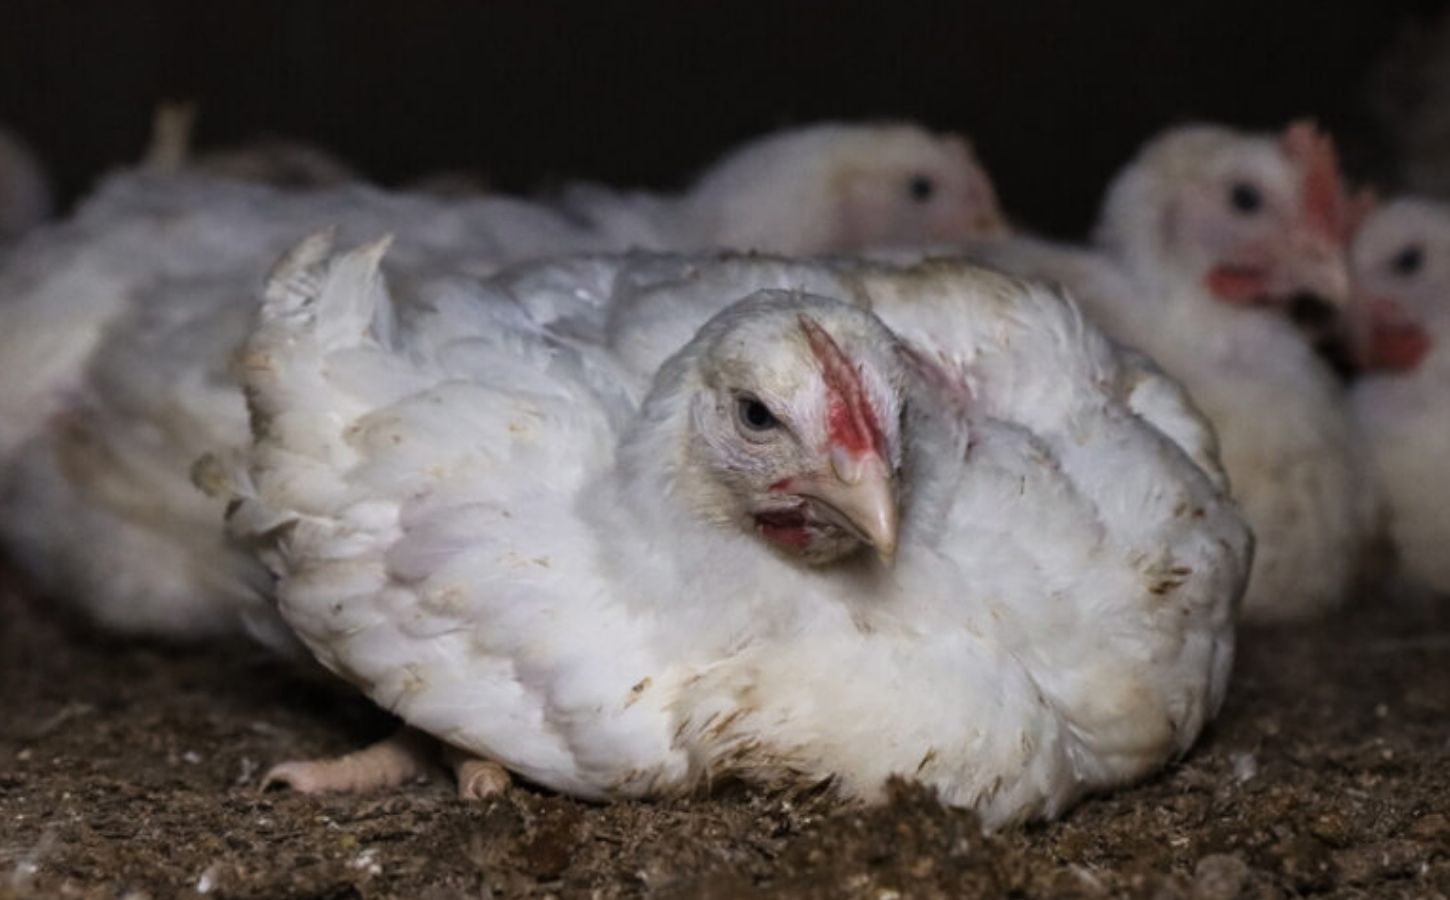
(851, 422)
(1326, 208)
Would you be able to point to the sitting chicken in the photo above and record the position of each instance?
(1204, 241)
(888, 184)
(803, 549)
(115, 332)
(24, 190)
(1401, 320)
(116, 328)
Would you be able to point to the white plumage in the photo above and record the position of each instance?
(116, 327)
(115, 335)
(832, 186)
(1204, 238)
(503, 524)
(1402, 322)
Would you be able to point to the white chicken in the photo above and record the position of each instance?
(25, 199)
(115, 331)
(1205, 239)
(116, 327)
(883, 184)
(804, 549)
(1401, 324)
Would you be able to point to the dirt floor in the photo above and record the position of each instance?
(131, 771)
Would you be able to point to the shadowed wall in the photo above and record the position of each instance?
(1056, 93)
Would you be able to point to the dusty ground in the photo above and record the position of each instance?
(131, 771)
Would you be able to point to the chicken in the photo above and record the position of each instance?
(882, 185)
(115, 334)
(1401, 325)
(1204, 241)
(116, 328)
(24, 189)
(803, 549)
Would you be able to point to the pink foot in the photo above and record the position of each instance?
(402, 756)
(477, 778)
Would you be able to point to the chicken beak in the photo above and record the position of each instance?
(976, 218)
(861, 493)
(990, 223)
(1317, 265)
(1383, 336)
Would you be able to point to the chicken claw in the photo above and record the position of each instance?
(403, 755)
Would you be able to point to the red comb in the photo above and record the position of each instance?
(1326, 208)
(851, 422)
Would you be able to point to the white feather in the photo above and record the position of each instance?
(507, 564)
(1282, 426)
(1404, 417)
(152, 258)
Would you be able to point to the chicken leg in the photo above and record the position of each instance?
(477, 778)
(403, 755)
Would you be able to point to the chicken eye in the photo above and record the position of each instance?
(1409, 260)
(1245, 198)
(921, 188)
(755, 416)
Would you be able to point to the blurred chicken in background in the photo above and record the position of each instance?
(1401, 337)
(1205, 241)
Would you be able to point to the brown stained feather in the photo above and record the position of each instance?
(637, 691)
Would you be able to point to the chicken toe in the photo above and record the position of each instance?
(477, 778)
(402, 756)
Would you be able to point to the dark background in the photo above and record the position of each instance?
(1055, 93)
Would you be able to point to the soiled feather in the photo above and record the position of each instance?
(575, 600)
